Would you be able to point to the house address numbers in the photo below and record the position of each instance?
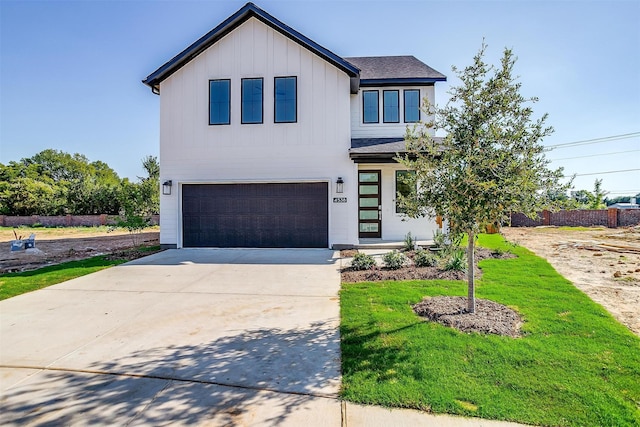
(339, 200)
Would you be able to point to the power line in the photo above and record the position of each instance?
(594, 141)
(596, 155)
(603, 173)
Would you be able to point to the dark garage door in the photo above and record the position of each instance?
(283, 215)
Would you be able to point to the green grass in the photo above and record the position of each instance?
(574, 366)
(13, 284)
(568, 228)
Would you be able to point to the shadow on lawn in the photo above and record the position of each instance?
(228, 381)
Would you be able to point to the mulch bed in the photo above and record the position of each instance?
(412, 272)
(489, 318)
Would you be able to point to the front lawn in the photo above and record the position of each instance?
(13, 284)
(574, 366)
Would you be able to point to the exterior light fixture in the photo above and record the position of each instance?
(339, 185)
(166, 187)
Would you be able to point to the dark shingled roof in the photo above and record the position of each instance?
(378, 150)
(375, 70)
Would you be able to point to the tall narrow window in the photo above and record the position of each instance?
(285, 100)
(411, 105)
(370, 106)
(391, 106)
(252, 97)
(402, 186)
(219, 102)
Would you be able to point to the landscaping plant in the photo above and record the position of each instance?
(424, 258)
(362, 261)
(394, 260)
(491, 161)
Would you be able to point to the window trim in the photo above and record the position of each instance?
(377, 92)
(404, 94)
(242, 121)
(229, 102)
(295, 113)
(399, 210)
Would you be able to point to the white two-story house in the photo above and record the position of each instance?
(268, 139)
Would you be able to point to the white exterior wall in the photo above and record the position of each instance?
(313, 149)
(395, 226)
(381, 129)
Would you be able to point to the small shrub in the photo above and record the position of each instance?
(457, 261)
(362, 261)
(424, 259)
(409, 242)
(394, 260)
(447, 243)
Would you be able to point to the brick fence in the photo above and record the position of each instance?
(611, 218)
(64, 220)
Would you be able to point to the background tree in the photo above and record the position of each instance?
(490, 163)
(54, 183)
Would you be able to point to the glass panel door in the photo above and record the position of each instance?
(369, 204)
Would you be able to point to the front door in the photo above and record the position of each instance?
(369, 204)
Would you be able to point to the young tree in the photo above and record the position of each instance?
(490, 163)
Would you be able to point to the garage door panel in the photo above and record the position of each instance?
(255, 215)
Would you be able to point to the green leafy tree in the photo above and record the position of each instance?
(140, 200)
(491, 161)
(77, 185)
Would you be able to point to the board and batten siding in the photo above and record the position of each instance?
(359, 129)
(313, 149)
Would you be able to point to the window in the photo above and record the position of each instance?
(402, 186)
(370, 106)
(285, 94)
(391, 106)
(219, 102)
(252, 96)
(411, 106)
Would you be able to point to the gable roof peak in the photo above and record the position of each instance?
(247, 11)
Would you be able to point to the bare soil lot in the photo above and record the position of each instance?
(56, 245)
(604, 263)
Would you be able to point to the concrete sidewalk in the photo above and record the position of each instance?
(186, 337)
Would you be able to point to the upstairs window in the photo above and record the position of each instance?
(370, 106)
(219, 102)
(403, 187)
(252, 99)
(285, 99)
(391, 106)
(411, 106)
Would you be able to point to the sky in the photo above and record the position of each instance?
(71, 71)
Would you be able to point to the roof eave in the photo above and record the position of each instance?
(409, 81)
(246, 12)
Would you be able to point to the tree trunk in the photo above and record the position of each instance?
(471, 294)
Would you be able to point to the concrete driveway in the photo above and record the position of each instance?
(191, 336)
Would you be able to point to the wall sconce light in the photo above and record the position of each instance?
(339, 185)
(166, 187)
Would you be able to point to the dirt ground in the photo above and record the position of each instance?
(604, 263)
(56, 245)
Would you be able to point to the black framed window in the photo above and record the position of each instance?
(285, 100)
(411, 105)
(391, 106)
(370, 106)
(220, 102)
(252, 100)
(403, 187)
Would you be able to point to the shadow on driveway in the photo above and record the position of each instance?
(261, 374)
